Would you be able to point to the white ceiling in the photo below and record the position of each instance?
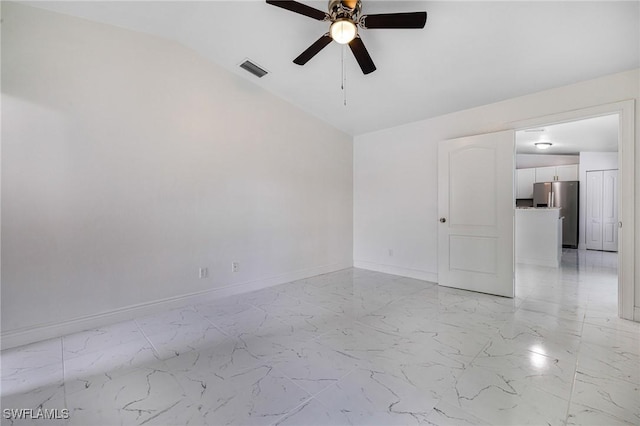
(469, 54)
(598, 134)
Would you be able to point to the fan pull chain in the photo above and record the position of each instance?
(342, 69)
(343, 85)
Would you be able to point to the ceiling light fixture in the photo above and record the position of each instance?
(543, 145)
(343, 31)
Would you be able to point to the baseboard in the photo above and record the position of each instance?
(418, 274)
(23, 336)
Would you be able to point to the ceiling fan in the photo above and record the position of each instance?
(345, 17)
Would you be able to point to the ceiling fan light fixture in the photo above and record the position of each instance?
(543, 145)
(343, 31)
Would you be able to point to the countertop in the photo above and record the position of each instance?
(537, 208)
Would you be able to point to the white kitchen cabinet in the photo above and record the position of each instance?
(545, 174)
(525, 178)
(568, 172)
(557, 173)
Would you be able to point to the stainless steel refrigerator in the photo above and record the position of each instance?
(566, 196)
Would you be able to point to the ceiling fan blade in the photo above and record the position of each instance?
(362, 56)
(395, 20)
(300, 8)
(313, 50)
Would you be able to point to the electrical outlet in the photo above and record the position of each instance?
(203, 272)
(235, 266)
(390, 252)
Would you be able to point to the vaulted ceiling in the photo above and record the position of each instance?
(469, 53)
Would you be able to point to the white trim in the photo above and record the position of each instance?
(626, 211)
(40, 332)
(418, 274)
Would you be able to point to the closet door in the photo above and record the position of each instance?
(593, 237)
(610, 210)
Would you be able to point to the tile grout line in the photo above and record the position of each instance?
(575, 373)
(225, 334)
(313, 396)
(292, 411)
(153, 348)
(235, 337)
(64, 373)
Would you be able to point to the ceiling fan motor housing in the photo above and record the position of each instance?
(345, 9)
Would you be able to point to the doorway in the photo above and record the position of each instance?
(625, 113)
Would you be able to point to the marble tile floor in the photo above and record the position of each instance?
(353, 347)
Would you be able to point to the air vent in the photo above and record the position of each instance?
(254, 69)
(534, 130)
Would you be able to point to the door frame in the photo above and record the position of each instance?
(626, 188)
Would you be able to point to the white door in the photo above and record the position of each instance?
(476, 211)
(610, 210)
(593, 239)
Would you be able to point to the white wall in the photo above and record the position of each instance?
(128, 162)
(526, 161)
(395, 172)
(591, 161)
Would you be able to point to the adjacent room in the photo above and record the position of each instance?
(322, 212)
(566, 221)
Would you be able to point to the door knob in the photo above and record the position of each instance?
(443, 220)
